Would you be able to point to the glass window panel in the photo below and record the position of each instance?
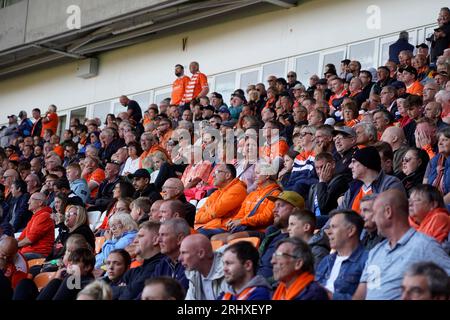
(101, 110)
(249, 78)
(277, 69)
(143, 99)
(306, 66)
(79, 114)
(117, 108)
(364, 53)
(225, 85)
(334, 58)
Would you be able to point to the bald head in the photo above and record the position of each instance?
(394, 136)
(394, 198)
(390, 214)
(172, 189)
(196, 253)
(8, 248)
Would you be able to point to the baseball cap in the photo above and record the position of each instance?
(224, 110)
(409, 69)
(228, 123)
(344, 130)
(290, 197)
(422, 45)
(140, 173)
(12, 116)
(216, 95)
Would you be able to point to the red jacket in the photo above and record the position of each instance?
(40, 230)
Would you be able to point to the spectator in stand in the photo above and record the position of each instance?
(433, 111)
(409, 77)
(78, 185)
(33, 183)
(293, 267)
(37, 123)
(425, 281)
(350, 113)
(437, 176)
(50, 120)
(340, 272)
(400, 45)
(384, 79)
(105, 189)
(204, 268)
(339, 93)
(123, 230)
(211, 217)
(36, 240)
(368, 178)
(396, 138)
(441, 37)
(173, 189)
(171, 234)
(302, 224)
(323, 195)
(179, 85)
(366, 134)
(18, 214)
(140, 209)
(427, 212)
(25, 125)
(197, 85)
(240, 264)
(13, 267)
(110, 144)
(387, 262)
(96, 290)
(414, 164)
(93, 174)
(369, 236)
(163, 288)
(255, 214)
(133, 109)
(413, 104)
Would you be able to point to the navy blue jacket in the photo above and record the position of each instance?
(314, 291)
(396, 47)
(166, 267)
(135, 279)
(18, 211)
(349, 275)
(266, 250)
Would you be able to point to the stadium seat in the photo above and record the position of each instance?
(99, 241)
(93, 218)
(201, 203)
(216, 244)
(35, 262)
(42, 279)
(255, 241)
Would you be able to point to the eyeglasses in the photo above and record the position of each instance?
(303, 134)
(116, 226)
(283, 254)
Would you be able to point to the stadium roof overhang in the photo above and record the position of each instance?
(127, 30)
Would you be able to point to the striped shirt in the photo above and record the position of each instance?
(194, 87)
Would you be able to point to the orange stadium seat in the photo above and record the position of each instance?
(99, 241)
(35, 262)
(255, 241)
(42, 279)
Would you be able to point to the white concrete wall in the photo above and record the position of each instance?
(309, 27)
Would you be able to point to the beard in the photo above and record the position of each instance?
(178, 74)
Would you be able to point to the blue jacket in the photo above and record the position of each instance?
(18, 214)
(25, 127)
(166, 267)
(133, 281)
(433, 172)
(266, 250)
(313, 291)
(396, 47)
(125, 240)
(349, 275)
(302, 177)
(81, 189)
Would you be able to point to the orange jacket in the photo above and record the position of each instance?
(436, 224)
(222, 205)
(264, 215)
(415, 88)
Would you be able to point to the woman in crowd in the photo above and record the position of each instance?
(121, 233)
(414, 164)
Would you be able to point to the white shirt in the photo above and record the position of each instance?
(335, 272)
(131, 165)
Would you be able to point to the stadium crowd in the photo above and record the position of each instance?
(335, 189)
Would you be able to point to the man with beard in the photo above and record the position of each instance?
(179, 85)
(285, 204)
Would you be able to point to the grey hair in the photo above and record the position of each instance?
(178, 225)
(437, 278)
(301, 251)
(369, 129)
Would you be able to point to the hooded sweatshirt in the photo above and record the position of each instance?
(256, 289)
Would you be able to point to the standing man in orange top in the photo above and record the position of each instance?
(179, 85)
(50, 120)
(413, 86)
(197, 86)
